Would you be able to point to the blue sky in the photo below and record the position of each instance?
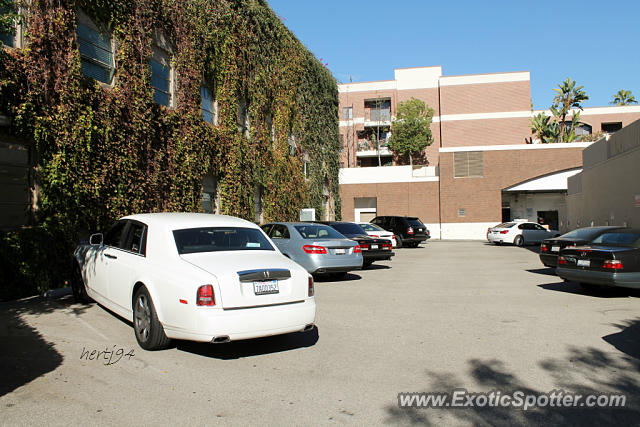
(593, 42)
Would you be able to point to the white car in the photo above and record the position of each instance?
(376, 231)
(199, 277)
(519, 233)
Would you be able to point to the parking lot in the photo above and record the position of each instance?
(443, 316)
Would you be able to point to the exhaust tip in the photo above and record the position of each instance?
(221, 339)
(309, 327)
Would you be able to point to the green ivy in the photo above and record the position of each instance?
(104, 152)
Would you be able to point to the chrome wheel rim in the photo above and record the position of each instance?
(142, 317)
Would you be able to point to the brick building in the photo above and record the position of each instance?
(479, 171)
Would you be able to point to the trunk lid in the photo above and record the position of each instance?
(592, 257)
(238, 271)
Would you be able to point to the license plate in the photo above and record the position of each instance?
(374, 246)
(584, 263)
(555, 248)
(339, 251)
(266, 287)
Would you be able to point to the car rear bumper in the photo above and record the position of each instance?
(550, 260)
(345, 269)
(245, 323)
(623, 280)
(414, 239)
(377, 256)
(323, 264)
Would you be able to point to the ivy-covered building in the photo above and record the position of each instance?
(114, 107)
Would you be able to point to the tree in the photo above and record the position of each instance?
(411, 128)
(568, 96)
(623, 97)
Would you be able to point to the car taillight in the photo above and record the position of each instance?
(543, 248)
(311, 290)
(562, 260)
(386, 246)
(410, 230)
(364, 247)
(357, 249)
(612, 264)
(373, 235)
(205, 295)
(311, 249)
(504, 231)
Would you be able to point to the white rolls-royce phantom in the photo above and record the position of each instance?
(200, 277)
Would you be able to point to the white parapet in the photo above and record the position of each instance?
(388, 174)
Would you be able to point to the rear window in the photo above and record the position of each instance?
(218, 239)
(582, 234)
(314, 231)
(348, 228)
(370, 227)
(414, 222)
(618, 239)
(505, 225)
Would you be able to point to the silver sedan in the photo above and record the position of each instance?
(317, 247)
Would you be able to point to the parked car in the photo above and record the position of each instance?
(519, 233)
(377, 231)
(549, 248)
(317, 247)
(199, 277)
(409, 231)
(611, 259)
(373, 249)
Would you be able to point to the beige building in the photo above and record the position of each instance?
(607, 191)
(480, 169)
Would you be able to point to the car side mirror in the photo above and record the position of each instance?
(96, 239)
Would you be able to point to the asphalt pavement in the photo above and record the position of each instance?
(444, 316)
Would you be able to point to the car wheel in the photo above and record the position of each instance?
(78, 287)
(398, 241)
(149, 332)
(518, 241)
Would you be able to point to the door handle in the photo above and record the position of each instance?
(111, 256)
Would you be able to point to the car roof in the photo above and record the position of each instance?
(292, 223)
(181, 220)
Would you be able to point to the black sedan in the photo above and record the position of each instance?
(611, 259)
(373, 249)
(550, 248)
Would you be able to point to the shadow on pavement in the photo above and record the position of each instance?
(549, 271)
(328, 278)
(27, 355)
(628, 339)
(253, 347)
(377, 267)
(575, 288)
(583, 371)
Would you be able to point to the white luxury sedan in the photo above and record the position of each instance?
(376, 231)
(200, 277)
(519, 233)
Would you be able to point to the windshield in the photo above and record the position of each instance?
(414, 222)
(370, 227)
(618, 239)
(315, 231)
(586, 234)
(217, 239)
(349, 228)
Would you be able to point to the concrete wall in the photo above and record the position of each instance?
(607, 192)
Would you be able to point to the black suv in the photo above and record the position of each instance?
(409, 231)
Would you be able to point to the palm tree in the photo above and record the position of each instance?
(623, 97)
(568, 96)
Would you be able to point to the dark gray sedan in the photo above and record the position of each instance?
(317, 247)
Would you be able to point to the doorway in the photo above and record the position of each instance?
(549, 218)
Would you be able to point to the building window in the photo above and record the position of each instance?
(581, 129)
(611, 127)
(347, 113)
(306, 166)
(8, 33)
(96, 51)
(257, 195)
(293, 148)
(467, 164)
(243, 117)
(210, 197)
(207, 106)
(378, 110)
(161, 77)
